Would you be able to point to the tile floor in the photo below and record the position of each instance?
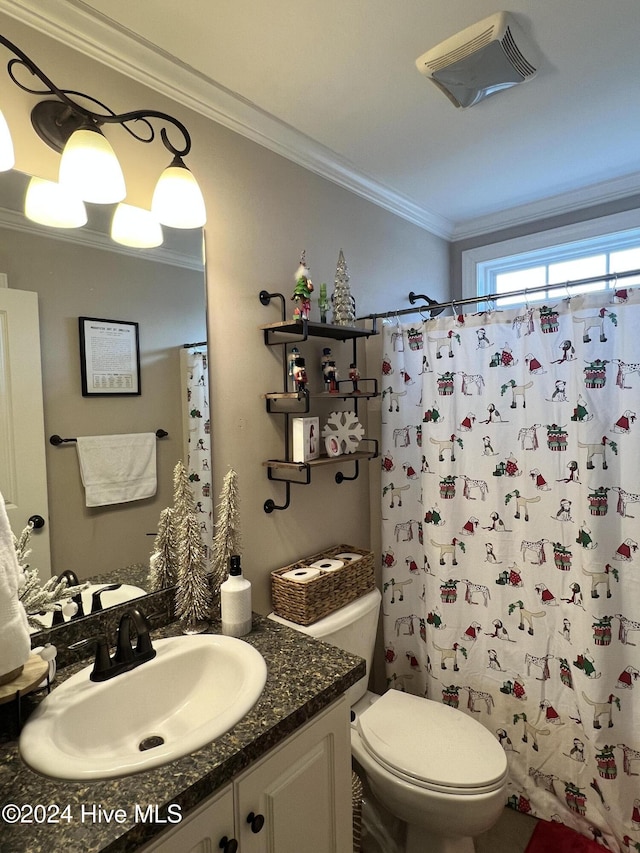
(510, 835)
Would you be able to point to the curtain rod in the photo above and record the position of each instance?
(437, 307)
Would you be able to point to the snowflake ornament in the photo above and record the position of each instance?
(345, 428)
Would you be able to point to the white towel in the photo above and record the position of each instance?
(117, 468)
(15, 643)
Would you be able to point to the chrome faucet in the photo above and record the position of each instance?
(127, 656)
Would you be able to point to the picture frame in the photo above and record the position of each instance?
(109, 357)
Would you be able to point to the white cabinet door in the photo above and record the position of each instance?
(23, 476)
(302, 790)
(202, 830)
(297, 799)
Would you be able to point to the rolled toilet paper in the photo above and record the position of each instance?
(328, 565)
(302, 575)
(348, 557)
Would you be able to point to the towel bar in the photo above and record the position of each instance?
(56, 440)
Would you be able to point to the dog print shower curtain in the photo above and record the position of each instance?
(198, 463)
(511, 520)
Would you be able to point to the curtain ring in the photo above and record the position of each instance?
(526, 298)
(424, 308)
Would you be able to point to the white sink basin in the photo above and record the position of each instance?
(193, 691)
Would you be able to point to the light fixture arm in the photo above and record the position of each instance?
(49, 121)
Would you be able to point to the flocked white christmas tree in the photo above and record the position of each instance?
(193, 594)
(226, 540)
(344, 305)
(163, 563)
(38, 597)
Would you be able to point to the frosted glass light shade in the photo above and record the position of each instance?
(177, 199)
(50, 204)
(135, 227)
(7, 157)
(90, 168)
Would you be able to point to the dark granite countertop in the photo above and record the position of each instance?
(304, 676)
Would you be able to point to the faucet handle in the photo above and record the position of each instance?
(102, 663)
(96, 600)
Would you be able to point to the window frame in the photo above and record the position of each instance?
(607, 233)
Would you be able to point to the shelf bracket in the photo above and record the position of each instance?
(340, 477)
(270, 504)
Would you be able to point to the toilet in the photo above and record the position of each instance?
(432, 766)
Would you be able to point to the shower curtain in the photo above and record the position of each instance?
(198, 452)
(511, 573)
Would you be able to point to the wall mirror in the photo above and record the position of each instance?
(82, 272)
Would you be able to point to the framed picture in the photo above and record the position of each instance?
(109, 357)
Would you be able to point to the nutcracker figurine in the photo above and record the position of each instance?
(300, 374)
(354, 376)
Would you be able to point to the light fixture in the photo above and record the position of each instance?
(88, 163)
(49, 203)
(90, 168)
(177, 200)
(135, 227)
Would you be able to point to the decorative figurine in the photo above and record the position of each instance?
(323, 303)
(291, 362)
(344, 305)
(300, 374)
(325, 358)
(303, 290)
(354, 376)
(330, 377)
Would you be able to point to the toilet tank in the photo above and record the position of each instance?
(351, 628)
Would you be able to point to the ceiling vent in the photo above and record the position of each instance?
(479, 61)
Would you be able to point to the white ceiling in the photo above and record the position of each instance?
(333, 85)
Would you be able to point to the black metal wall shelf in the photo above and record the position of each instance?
(288, 403)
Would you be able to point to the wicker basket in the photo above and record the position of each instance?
(305, 603)
(356, 803)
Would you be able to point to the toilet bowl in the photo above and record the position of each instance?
(432, 766)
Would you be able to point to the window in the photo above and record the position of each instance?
(551, 259)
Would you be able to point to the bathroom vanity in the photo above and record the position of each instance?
(278, 779)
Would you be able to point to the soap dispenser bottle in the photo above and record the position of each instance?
(235, 601)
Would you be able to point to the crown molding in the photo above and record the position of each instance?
(594, 194)
(100, 38)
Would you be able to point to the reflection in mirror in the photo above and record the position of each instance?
(81, 272)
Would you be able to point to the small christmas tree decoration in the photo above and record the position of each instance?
(163, 563)
(193, 595)
(226, 540)
(183, 499)
(302, 291)
(38, 598)
(344, 305)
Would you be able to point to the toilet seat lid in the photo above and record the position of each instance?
(431, 744)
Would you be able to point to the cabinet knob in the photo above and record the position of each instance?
(256, 821)
(228, 845)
